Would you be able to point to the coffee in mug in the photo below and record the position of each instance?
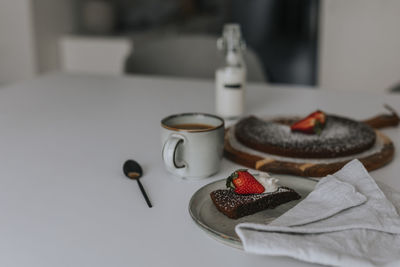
(193, 144)
(192, 126)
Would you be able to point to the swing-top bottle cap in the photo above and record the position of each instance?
(231, 38)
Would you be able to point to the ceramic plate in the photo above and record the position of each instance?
(222, 228)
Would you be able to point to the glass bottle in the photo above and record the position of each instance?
(230, 79)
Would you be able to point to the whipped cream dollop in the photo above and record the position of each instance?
(270, 183)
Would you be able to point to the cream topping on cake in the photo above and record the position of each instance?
(270, 183)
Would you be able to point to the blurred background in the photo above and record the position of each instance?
(331, 44)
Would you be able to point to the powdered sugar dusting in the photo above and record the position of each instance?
(231, 200)
(339, 136)
(376, 148)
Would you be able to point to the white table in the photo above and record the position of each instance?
(64, 200)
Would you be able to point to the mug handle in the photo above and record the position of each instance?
(169, 150)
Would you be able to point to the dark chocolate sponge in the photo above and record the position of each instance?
(340, 137)
(236, 206)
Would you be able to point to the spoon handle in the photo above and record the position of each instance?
(144, 193)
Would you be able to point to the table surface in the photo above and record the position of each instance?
(64, 200)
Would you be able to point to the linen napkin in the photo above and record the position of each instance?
(346, 221)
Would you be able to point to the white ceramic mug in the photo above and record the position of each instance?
(193, 144)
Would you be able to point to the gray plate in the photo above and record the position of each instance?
(222, 228)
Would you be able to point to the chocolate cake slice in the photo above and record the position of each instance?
(236, 206)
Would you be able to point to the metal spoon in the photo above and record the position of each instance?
(134, 171)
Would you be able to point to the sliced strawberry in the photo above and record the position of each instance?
(305, 126)
(319, 115)
(244, 183)
(312, 124)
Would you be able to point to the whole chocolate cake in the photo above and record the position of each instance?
(235, 205)
(340, 137)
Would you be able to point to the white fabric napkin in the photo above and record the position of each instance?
(346, 221)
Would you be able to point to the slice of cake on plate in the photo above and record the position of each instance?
(246, 195)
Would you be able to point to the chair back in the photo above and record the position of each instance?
(191, 56)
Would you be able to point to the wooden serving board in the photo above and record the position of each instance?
(377, 158)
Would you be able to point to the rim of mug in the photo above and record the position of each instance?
(164, 125)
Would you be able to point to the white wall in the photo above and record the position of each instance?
(17, 52)
(29, 36)
(360, 44)
(52, 19)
